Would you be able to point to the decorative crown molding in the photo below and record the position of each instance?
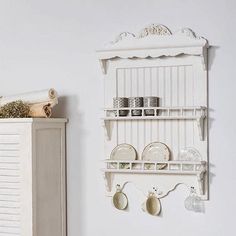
(156, 30)
(123, 35)
(154, 41)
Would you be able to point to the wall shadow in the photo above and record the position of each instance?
(68, 107)
(212, 51)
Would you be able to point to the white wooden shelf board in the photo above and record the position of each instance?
(172, 167)
(180, 168)
(169, 113)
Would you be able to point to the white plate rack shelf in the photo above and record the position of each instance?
(160, 113)
(173, 67)
(194, 168)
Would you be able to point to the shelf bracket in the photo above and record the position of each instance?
(200, 124)
(200, 179)
(107, 128)
(204, 58)
(103, 64)
(107, 179)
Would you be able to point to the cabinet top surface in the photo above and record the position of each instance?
(34, 120)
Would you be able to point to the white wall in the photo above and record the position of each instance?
(51, 43)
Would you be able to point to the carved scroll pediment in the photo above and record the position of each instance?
(154, 29)
(123, 35)
(154, 41)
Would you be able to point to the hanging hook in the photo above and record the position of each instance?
(118, 188)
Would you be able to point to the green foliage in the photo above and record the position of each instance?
(16, 109)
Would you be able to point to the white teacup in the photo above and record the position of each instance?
(120, 200)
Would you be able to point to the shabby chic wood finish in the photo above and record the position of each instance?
(172, 66)
(32, 177)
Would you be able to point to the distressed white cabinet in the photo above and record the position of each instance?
(32, 177)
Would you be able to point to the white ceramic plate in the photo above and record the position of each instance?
(189, 154)
(124, 152)
(156, 151)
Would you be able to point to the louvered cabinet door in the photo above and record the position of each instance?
(15, 180)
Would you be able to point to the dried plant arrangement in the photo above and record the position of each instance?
(31, 104)
(16, 109)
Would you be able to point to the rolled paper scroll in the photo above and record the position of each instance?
(48, 96)
(40, 110)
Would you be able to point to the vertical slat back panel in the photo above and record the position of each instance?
(175, 84)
